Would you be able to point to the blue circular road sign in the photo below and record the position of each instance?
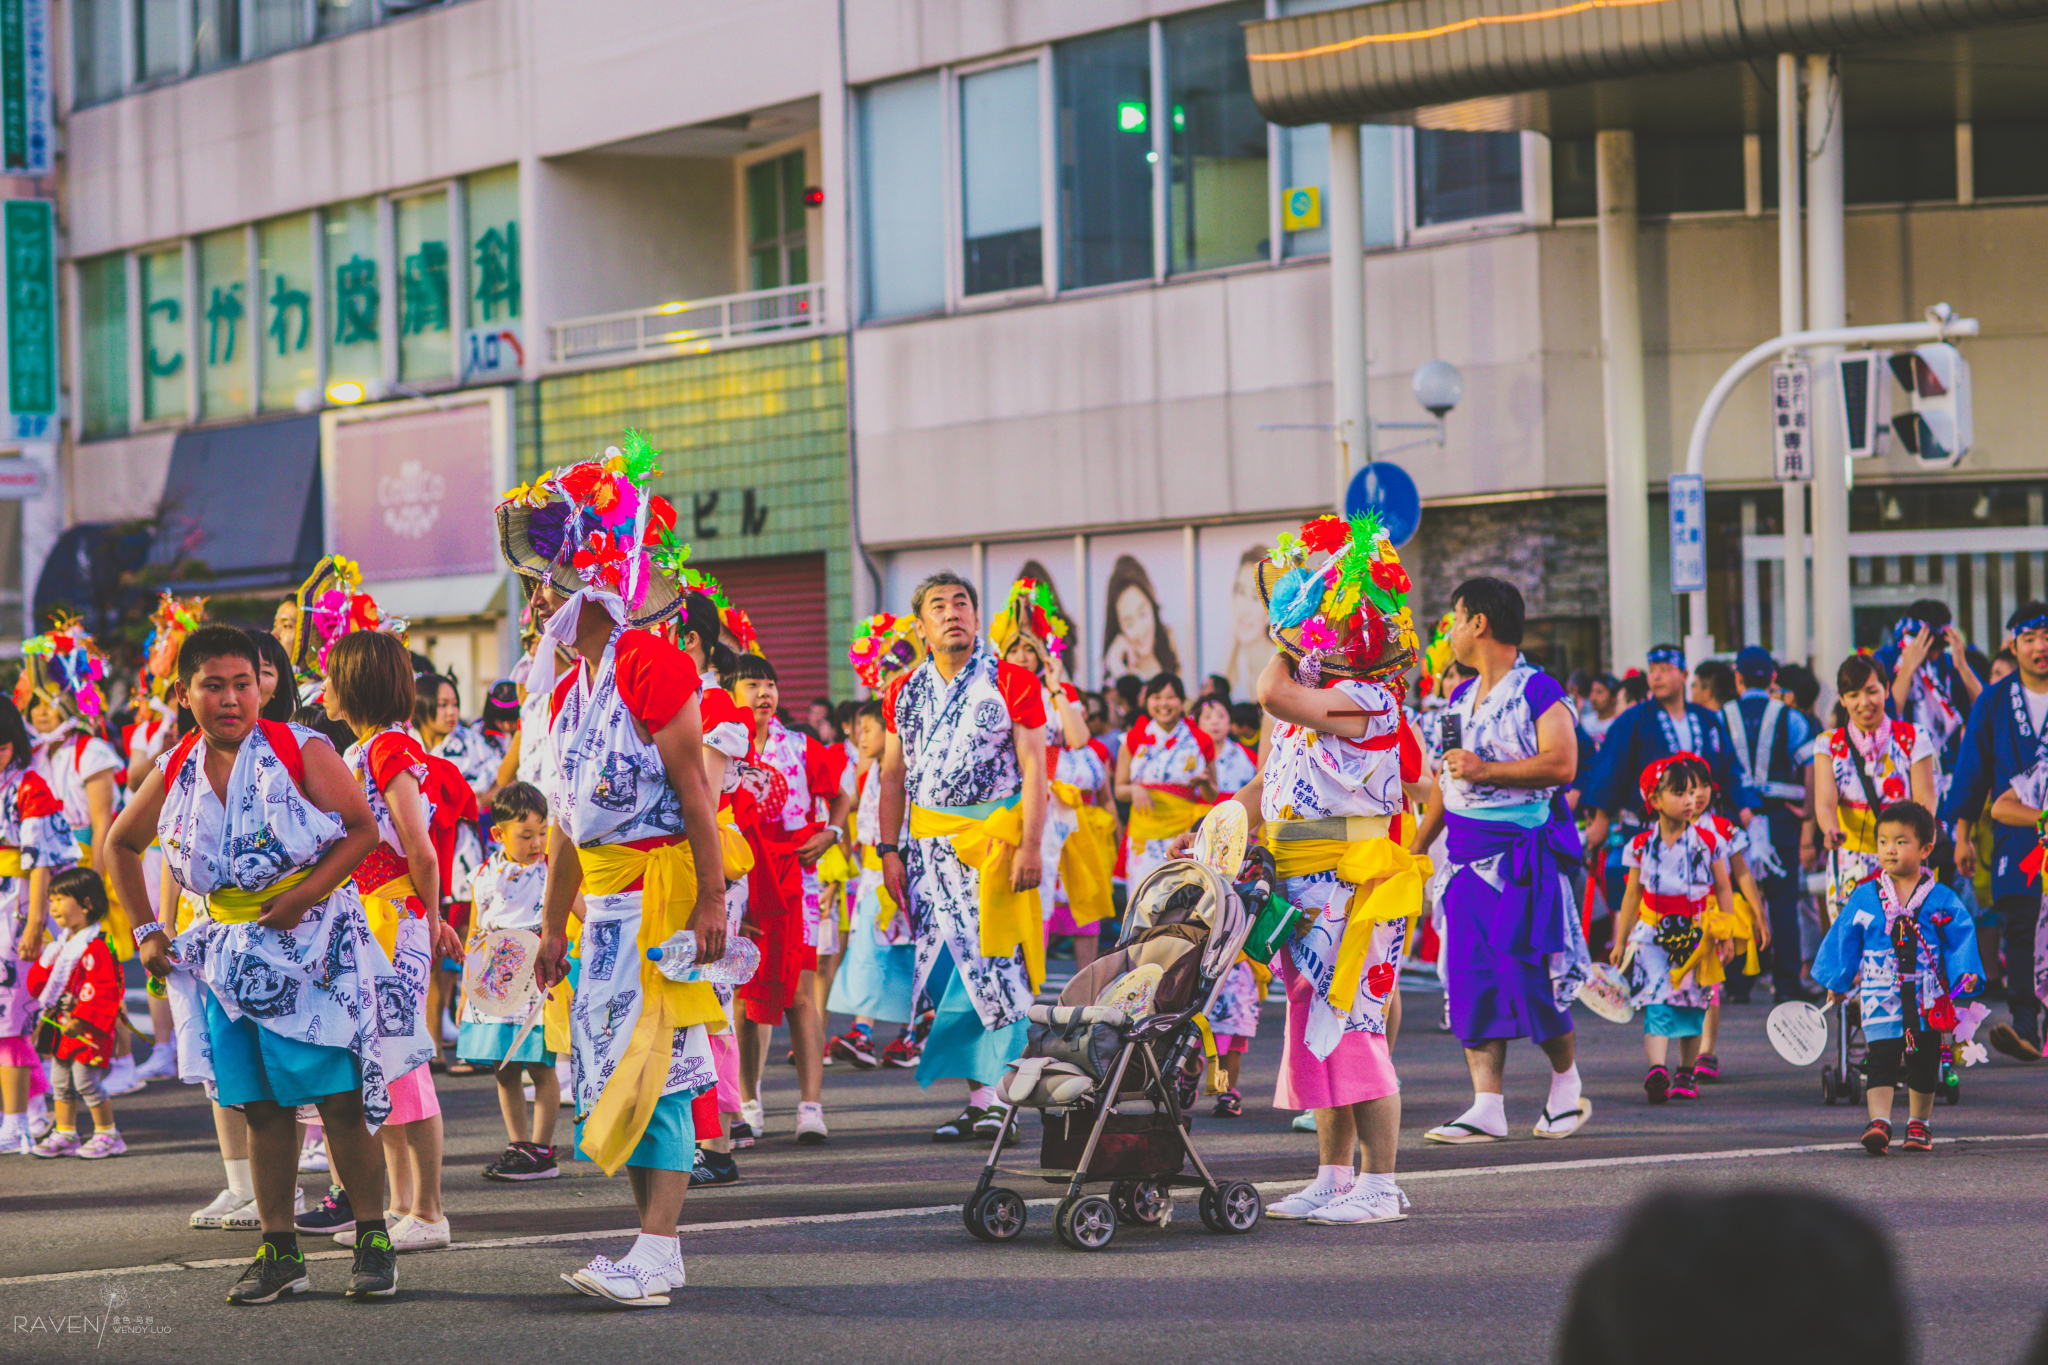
(1385, 487)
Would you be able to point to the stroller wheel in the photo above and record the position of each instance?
(1827, 1085)
(1857, 1085)
(995, 1215)
(1144, 1203)
(1951, 1086)
(1087, 1223)
(1232, 1207)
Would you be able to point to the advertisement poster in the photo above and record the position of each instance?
(1049, 561)
(1138, 598)
(1234, 641)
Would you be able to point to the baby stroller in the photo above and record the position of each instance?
(1107, 1068)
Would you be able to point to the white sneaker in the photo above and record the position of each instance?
(1360, 1205)
(810, 1124)
(393, 1226)
(246, 1217)
(413, 1234)
(1304, 1202)
(754, 1117)
(161, 1066)
(224, 1203)
(313, 1156)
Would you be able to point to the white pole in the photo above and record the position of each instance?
(1346, 211)
(1826, 307)
(1792, 630)
(1621, 348)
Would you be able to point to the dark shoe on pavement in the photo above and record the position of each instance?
(270, 1277)
(375, 1273)
(855, 1047)
(524, 1161)
(332, 1215)
(713, 1170)
(1877, 1137)
(1919, 1136)
(2015, 1043)
(962, 1126)
(900, 1052)
(1229, 1105)
(1685, 1085)
(741, 1134)
(1708, 1068)
(991, 1122)
(1657, 1085)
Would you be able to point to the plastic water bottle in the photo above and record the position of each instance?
(676, 959)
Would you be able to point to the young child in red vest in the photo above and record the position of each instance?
(78, 990)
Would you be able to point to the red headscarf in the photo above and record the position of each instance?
(1654, 774)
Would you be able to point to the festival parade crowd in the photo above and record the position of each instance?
(609, 890)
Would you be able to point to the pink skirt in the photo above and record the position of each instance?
(725, 1058)
(1357, 1070)
(413, 1097)
(1062, 922)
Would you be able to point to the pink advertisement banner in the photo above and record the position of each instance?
(412, 496)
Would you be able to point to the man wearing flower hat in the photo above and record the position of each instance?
(635, 830)
(1515, 955)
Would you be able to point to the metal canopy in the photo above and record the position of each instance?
(1680, 66)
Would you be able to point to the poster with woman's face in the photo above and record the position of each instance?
(1234, 640)
(1049, 561)
(1138, 584)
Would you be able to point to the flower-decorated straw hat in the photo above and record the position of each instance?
(1337, 599)
(597, 528)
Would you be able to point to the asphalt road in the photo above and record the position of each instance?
(855, 1251)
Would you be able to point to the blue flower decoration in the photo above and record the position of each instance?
(1295, 598)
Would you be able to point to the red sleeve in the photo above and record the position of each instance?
(824, 769)
(1101, 751)
(99, 994)
(1072, 692)
(1139, 736)
(34, 800)
(1411, 754)
(38, 977)
(889, 696)
(391, 754)
(656, 680)
(561, 692)
(1204, 743)
(1022, 693)
(717, 708)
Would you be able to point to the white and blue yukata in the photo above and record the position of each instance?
(1514, 952)
(960, 758)
(877, 977)
(290, 1016)
(1861, 953)
(506, 896)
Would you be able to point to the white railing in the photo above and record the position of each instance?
(693, 325)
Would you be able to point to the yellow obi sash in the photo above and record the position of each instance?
(233, 905)
(733, 847)
(1859, 828)
(886, 915)
(668, 877)
(1087, 857)
(1364, 856)
(1010, 919)
(1715, 925)
(119, 925)
(835, 868)
(10, 862)
(1170, 815)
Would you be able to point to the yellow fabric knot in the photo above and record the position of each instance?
(1170, 815)
(1387, 877)
(1010, 919)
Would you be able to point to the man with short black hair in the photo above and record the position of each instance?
(1773, 744)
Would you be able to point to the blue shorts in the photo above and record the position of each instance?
(252, 1063)
(1674, 1021)
(491, 1042)
(670, 1142)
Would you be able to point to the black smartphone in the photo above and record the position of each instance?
(1453, 731)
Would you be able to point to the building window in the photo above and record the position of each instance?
(216, 33)
(1216, 139)
(342, 16)
(355, 294)
(425, 352)
(1002, 213)
(1900, 165)
(903, 205)
(160, 46)
(224, 317)
(1307, 166)
(1105, 157)
(285, 282)
(103, 344)
(164, 333)
(2011, 159)
(491, 203)
(778, 247)
(1462, 176)
(275, 25)
(98, 50)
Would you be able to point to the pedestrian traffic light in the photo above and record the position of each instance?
(1938, 430)
(1866, 403)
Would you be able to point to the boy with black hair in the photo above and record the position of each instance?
(1905, 943)
(264, 820)
(77, 985)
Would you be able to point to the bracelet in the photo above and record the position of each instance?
(143, 931)
(884, 850)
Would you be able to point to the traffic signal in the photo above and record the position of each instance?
(1866, 403)
(1938, 430)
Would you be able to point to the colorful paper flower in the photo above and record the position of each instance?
(1295, 598)
(535, 494)
(602, 561)
(1324, 535)
(1316, 634)
(661, 520)
(1390, 577)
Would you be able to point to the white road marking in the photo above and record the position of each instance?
(934, 1210)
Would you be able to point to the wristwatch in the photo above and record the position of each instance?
(883, 850)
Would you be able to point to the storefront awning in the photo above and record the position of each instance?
(244, 503)
(449, 597)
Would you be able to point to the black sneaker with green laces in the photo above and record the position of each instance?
(375, 1273)
(270, 1277)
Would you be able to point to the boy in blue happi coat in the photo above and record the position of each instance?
(1908, 944)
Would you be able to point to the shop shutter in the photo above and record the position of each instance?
(784, 596)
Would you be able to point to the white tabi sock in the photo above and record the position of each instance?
(1377, 1184)
(653, 1253)
(982, 1096)
(1486, 1114)
(12, 1126)
(241, 1183)
(1564, 1091)
(1331, 1180)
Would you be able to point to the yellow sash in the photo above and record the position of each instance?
(1009, 918)
(1715, 925)
(623, 1110)
(886, 914)
(733, 848)
(1859, 828)
(1087, 857)
(232, 905)
(1398, 895)
(835, 868)
(385, 907)
(1169, 815)
(10, 862)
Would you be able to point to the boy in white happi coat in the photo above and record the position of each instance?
(965, 758)
(301, 1005)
